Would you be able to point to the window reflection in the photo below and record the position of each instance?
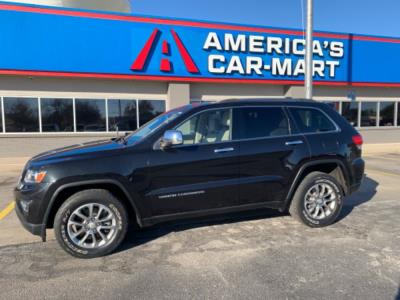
(368, 114)
(149, 109)
(90, 115)
(57, 115)
(386, 117)
(21, 114)
(350, 112)
(122, 115)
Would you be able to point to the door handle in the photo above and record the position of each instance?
(292, 143)
(222, 150)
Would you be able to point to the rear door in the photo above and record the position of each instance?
(268, 153)
(202, 173)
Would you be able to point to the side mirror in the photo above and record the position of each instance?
(171, 138)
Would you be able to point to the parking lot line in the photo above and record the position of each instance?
(5, 212)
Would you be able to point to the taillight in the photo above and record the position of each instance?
(357, 140)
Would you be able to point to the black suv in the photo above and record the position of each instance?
(196, 160)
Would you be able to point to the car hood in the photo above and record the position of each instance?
(78, 150)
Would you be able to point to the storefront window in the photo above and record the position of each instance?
(149, 109)
(21, 114)
(368, 114)
(350, 112)
(398, 113)
(57, 115)
(1, 117)
(386, 117)
(122, 115)
(90, 115)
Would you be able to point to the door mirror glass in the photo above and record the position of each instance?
(171, 138)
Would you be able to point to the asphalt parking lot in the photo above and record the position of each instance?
(261, 254)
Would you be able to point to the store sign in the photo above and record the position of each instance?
(225, 54)
(57, 42)
(271, 55)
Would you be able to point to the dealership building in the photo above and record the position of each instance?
(68, 72)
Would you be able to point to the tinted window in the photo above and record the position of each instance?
(368, 114)
(258, 122)
(90, 115)
(212, 126)
(122, 115)
(334, 105)
(311, 120)
(149, 109)
(57, 115)
(21, 114)
(350, 112)
(386, 114)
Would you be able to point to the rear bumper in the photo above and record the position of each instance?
(358, 168)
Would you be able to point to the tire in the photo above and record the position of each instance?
(308, 199)
(102, 230)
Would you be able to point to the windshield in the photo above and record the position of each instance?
(155, 124)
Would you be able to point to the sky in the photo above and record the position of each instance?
(368, 17)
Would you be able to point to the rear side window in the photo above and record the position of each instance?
(259, 122)
(311, 120)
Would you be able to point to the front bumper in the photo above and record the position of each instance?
(36, 229)
(30, 208)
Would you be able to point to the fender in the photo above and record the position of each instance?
(88, 182)
(301, 170)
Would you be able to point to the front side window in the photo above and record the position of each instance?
(57, 115)
(90, 115)
(368, 114)
(212, 126)
(259, 122)
(21, 114)
(311, 120)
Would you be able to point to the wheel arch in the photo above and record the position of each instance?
(334, 167)
(64, 191)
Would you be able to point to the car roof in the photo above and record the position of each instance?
(262, 101)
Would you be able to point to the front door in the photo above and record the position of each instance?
(199, 175)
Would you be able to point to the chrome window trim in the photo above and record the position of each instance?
(258, 138)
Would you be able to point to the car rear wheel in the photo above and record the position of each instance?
(91, 223)
(318, 200)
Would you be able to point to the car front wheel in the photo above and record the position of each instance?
(91, 223)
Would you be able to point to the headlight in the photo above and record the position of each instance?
(33, 176)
